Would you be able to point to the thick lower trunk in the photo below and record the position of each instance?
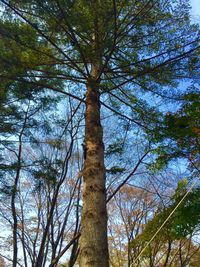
(93, 241)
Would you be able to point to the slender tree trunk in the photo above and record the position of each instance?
(168, 253)
(14, 194)
(15, 221)
(93, 241)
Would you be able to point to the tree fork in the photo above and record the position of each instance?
(93, 241)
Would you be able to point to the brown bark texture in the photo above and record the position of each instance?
(93, 241)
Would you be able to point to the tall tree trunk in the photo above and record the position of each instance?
(93, 241)
(14, 193)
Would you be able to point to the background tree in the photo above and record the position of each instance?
(176, 237)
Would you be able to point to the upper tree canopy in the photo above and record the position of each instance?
(141, 47)
(143, 44)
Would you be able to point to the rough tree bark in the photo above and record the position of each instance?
(93, 242)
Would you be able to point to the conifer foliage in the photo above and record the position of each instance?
(113, 55)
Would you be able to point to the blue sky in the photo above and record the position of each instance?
(195, 7)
